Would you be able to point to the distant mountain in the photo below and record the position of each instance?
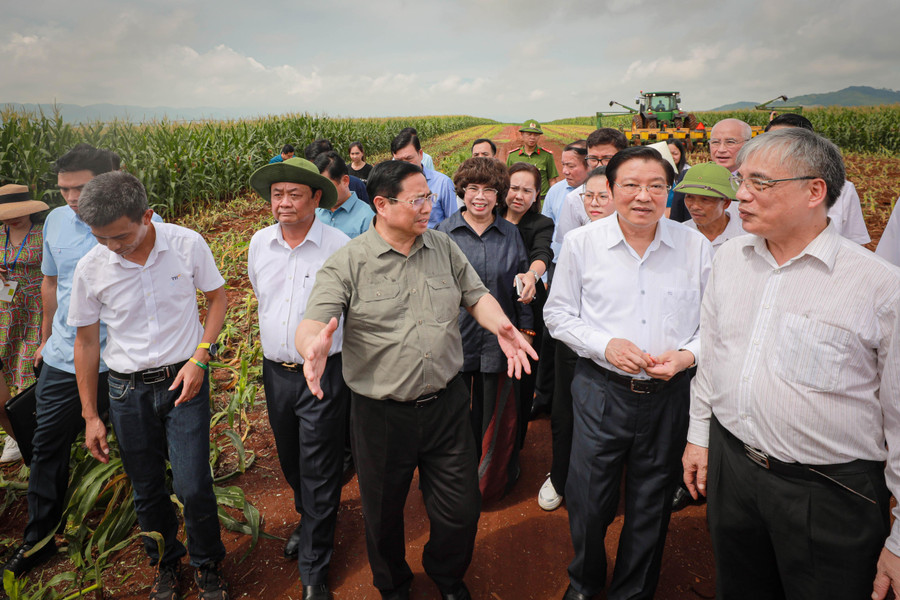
(858, 95)
(74, 113)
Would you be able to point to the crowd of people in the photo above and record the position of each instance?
(714, 330)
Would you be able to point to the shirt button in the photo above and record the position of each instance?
(419, 321)
(644, 321)
(377, 293)
(766, 306)
(756, 342)
(413, 290)
(746, 378)
(643, 292)
(428, 355)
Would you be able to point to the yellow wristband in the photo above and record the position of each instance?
(198, 363)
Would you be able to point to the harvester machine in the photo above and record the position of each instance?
(658, 117)
(779, 108)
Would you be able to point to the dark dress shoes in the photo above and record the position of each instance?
(20, 564)
(460, 593)
(316, 592)
(292, 547)
(573, 594)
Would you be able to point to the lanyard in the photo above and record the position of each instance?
(6, 247)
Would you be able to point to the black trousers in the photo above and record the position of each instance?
(59, 422)
(309, 434)
(780, 537)
(561, 418)
(392, 439)
(643, 434)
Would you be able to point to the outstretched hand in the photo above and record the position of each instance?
(516, 349)
(315, 356)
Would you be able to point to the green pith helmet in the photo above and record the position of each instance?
(531, 126)
(295, 170)
(707, 179)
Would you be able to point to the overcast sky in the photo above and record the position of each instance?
(507, 60)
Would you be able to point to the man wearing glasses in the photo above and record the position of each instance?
(795, 420)
(399, 287)
(725, 141)
(626, 299)
(406, 147)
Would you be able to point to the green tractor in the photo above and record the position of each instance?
(656, 110)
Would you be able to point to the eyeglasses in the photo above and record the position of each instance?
(633, 189)
(474, 190)
(728, 143)
(596, 161)
(761, 185)
(523, 190)
(602, 197)
(416, 202)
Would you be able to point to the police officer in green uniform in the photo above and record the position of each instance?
(530, 152)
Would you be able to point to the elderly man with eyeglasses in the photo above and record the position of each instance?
(795, 417)
(399, 287)
(626, 299)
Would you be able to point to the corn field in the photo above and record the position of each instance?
(182, 162)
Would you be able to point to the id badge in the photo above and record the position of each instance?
(9, 289)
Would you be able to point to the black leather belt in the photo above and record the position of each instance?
(426, 399)
(636, 385)
(150, 376)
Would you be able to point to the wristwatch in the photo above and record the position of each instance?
(212, 348)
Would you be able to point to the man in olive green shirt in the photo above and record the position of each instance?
(530, 152)
(399, 287)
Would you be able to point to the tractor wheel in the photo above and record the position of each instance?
(691, 121)
(637, 121)
(652, 123)
(678, 123)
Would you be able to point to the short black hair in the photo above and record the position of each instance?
(331, 165)
(287, 149)
(85, 157)
(638, 153)
(579, 147)
(607, 135)
(111, 196)
(485, 141)
(386, 178)
(316, 148)
(790, 120)
(404, 139)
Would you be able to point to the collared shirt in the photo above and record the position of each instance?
(497, 255)
(282, 278)
(733, 229)
(445, 203)
(358, 187)
(66, 240)
(847, 215)
(150, 310)
(571, 216)
(805, 359)
(552, 206)
(427, 161)
(353, 217)
(603, 290)
(889, 244)
(540, 158)
(401, 337)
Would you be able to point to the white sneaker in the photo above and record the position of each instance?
(548, 498)
(10, 451)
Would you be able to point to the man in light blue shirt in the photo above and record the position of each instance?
(349, 214)
(66, 239)
(406, 147)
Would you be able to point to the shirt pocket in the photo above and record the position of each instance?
(378, 308)
(445, 298)
(681, 313)
(810, 352)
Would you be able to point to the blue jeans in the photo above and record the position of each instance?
(151, 429)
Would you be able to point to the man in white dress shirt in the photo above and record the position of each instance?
(796, 409)
(626, 298)
(141, 280)
(309, 433)
(889, 244)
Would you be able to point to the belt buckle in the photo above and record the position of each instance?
(426, 400)
(757, 456)
(643, 387)
(292, 367)
(152, 376)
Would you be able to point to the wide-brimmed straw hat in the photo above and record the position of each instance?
(707, 179)
(15, 202)
(294, 170)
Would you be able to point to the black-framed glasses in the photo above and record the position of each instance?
(416, 202)
(760, 185)
(474, 190)
(596, 161)
(654, 189)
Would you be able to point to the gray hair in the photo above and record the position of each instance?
(111, 196)
(746, 130)
(803, 153)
